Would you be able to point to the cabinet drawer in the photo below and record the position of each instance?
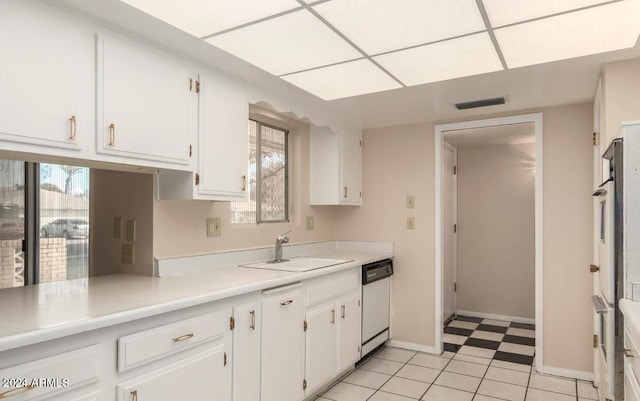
(329, 287)
(51, 376)
(150, 345)
(631, 342)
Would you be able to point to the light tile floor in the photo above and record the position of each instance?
(395, 374)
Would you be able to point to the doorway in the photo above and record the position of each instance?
(446, 218)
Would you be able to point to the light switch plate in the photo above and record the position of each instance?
(310, 223)
(130, 231)
(127, 256)
(411, 202)
(411, 223)
(214, 229)
(117, 228)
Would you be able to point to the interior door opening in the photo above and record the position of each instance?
(489, 237)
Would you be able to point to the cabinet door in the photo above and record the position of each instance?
(246, 352)
(223, 148)
(147, 103)
(320, 355)
(349, 337)
(46, 73)
(203, 377)
(351, 169)
(282, 347)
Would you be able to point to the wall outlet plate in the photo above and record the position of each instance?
(411, 202)
(127, 256)
(411, 223)
(310, 223)
(214, 228)
(130, 231)
(117, 228)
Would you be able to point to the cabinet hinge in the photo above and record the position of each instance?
(360, 143)
(232, 323)
(455, 228)
(197, 86)
(304, 326)
(361, 194)
(455, 170)
(595, 341)
(190, 150)
(596, 138)
(358, 302)
(225, 359)
(190, 84)
(304, 384)
(197, 179)
(594, 269)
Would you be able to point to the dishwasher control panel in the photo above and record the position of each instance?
(376, 271)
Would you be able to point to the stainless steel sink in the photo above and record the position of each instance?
(301, 264)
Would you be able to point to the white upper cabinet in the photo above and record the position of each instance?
(223, 146)
(147, 104)
(46, 80)
(335, 167)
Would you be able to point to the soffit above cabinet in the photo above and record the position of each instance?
(356, 47)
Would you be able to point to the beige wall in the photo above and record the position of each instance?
(621, 97)
(179, 227)
(128, 196)
(399, 161)
(496, 229)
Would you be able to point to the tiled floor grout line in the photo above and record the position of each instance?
(436, 378)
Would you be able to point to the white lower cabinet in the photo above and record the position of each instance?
(320, 346)
(349, 338)
(282, 345)
(203, 377)
(246, 351)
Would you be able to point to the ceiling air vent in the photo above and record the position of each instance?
(480, 103)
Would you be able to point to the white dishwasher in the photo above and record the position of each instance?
(376, 298)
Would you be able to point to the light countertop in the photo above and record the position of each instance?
(45, 312)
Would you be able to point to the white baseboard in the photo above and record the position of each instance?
(570, 373)
(412, 346)
(515, 319)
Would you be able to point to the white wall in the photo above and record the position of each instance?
(496, 229)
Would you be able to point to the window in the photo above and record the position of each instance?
(44, 229)
(268, 177)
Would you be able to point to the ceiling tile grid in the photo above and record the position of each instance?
(342, 48)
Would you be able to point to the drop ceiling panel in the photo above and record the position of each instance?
(384, 25)
(600, 29)
(204, 17)
(343, 80)
(469, 55)
(286, 44)
(504, 12)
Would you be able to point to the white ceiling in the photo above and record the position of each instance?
(364, 46)
(490, 136)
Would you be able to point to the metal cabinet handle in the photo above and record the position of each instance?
(285, 303)
(343, 311)
(112, 134)
(73, 127)
(628, 353)
(253, 320)
(244, 183)
(134, 395)
(16, 391)
(346, 190)
(333, 315)
(183, 337)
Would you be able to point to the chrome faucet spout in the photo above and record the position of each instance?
(281, 239)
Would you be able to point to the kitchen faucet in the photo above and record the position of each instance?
(281, 239)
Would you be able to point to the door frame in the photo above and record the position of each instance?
(536, 119)
(454, 198)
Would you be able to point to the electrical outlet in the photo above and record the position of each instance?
(411, 223)
(127, 256)
(310, 223)
(411, 202)
(130, 231)
(117, 228)
(214, 229)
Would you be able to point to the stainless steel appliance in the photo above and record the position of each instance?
(611, 325)
(376, 297)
